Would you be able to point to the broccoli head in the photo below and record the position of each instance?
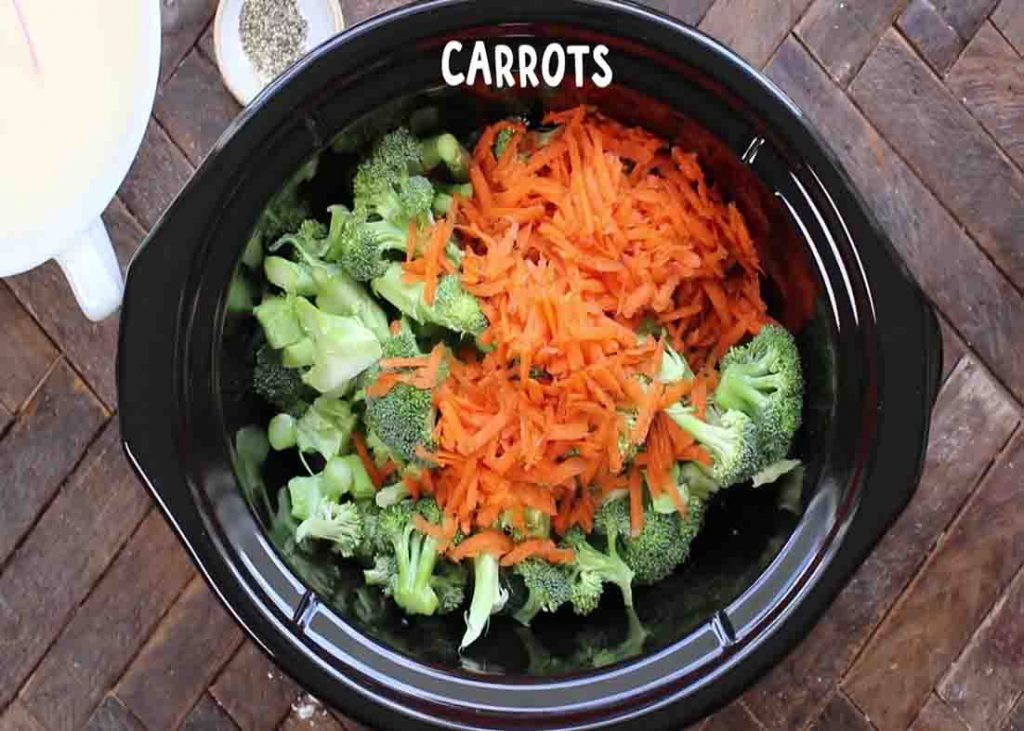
(416, 555)
(449, 584)
(454, 308)
(763, 379)
(277, 385)
(403, 419)
(730, 437)
(339, 523)
(661, 546)
(607, 565)
(585, 592)
(549, 586)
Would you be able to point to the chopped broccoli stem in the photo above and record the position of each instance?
(279, 321)
(344, 347)
(489, 597)
(454, 308)
(607, 566)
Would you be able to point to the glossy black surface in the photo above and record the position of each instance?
(758, 576)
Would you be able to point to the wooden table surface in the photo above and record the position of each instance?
(104, 624)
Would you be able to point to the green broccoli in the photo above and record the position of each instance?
(280, 323)
(277, 385)
(416, 555)
(454, 308)
(391, 495)
(343, 347)
(399, 153)
(730, 437)
(607, 566)
(489, 597)
(325, 428)
(403, 419)
(339, 523)
(401, 344)
(502, 140)
(400, 201)
(763, 379)
(449, 584)
(446, 193)
(549, 586)
(382, 573)
(364, 256)
(662, 545)
(309, 240)
(585, 592)
(696, 481)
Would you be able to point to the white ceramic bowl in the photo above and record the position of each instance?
(323, 16)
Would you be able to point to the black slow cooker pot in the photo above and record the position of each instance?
(760, 574)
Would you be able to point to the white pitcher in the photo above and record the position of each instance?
(78, 81)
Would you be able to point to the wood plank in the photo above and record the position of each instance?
(840, 715)
(359, 10)
(74, 541)
(18, 718)
(972, 420)
(160, 170)
(925, 122)
(90, 346)
(180, 659)
(987, 679)
(985, 308)
(182, 22)
(111, 625)
(254, 691)
(195, 107)
(989, 80)
(311, 717)
(937, 716)
(752, 28)
(953, 348)
(841, 33)
(936, 617)
(966, 16)
(207, 715)
(62, 412)
(205, 45)
(1009, 19)
(113, 716)
(688, 11)
(933, 37)
(734, 717)
(27, 353)
(1016, 720)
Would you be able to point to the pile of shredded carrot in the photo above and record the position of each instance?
(571, 248)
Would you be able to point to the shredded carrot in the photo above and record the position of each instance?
(570, 243)
(367, 460)
(543, 548)
(486, 541)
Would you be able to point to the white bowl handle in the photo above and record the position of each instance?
(91, 267)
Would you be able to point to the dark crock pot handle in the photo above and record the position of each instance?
(933, 351)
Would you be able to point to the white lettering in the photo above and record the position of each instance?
(446, 64)
(503, 61)
(604, 77)
(578, 53)
(478, 65)
(556, 53)
(528, 66)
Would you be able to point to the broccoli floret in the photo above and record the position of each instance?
(391, 495)
(415, 553)
(403, 419)
(401, 344)
(277, 385)
(454, 308)
(309, 239)
(696, 481)
(383, 572)
(339, 294)
(595, 650)
(549, 586)
(501, 141)
(489, 597)
(607, 565)
(399, 152)
(449, 584)
(343, 347)
(731, 438)
(339, 523)
(763, 379)
(585, 592)
(401, 201)
(662, 545)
